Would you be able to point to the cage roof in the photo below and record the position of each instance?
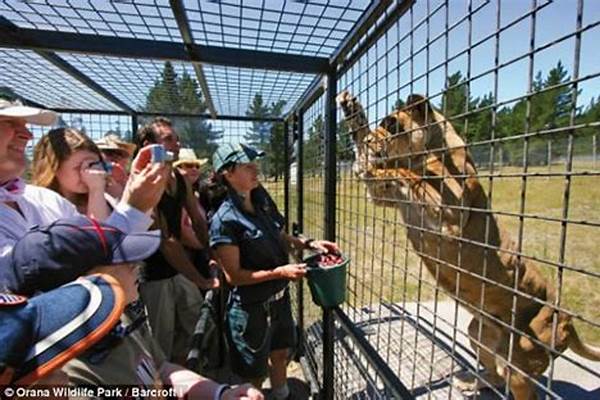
(111, 56)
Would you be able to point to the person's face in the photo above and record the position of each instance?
(14, 136)
(117, 157)
(190, 171)
(127, 274)
(169, 139)
(69, 172)
(244, 177)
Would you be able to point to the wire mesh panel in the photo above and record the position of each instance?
(145, 20)
(93, 125)
(312, 203)
(469, 214)
(237, 87)
(314, 28)
(28, 75)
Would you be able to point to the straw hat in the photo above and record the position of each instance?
(112, 141)
(188, 156)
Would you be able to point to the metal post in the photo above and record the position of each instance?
(298, 129)
(330, 187)
(134, 128)
(549, 156)
(286, 175)
(594, 150)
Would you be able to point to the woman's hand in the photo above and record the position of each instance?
(292, 272)
(93, 178)
(245, 392)
(324, 246)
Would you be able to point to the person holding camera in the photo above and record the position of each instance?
(247, 234)
(69, 162)
(24, 205)
(171, 281)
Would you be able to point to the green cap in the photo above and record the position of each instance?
(234, 154)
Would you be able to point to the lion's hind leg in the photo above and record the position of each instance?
(485, 344)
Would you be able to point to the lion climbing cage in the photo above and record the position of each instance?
(471, 222)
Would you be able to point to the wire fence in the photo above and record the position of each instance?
(468, 211)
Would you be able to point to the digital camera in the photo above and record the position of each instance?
(159, 154)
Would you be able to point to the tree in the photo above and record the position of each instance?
(164, 96)
(258, 135)
(549, 107)
(344, 144)
(174, 94)
(314, 146)
(275, 150)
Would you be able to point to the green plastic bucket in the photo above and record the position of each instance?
(327, 285)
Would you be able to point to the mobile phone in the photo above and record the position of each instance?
(159, 154)
(101, 165)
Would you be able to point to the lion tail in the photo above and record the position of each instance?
(582, 349)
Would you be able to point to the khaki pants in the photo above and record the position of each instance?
(173, 306)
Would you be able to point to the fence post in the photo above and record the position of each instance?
(134, 127)
(549, 156)
(286, 174)
(330, 197)
(594, 150)
(298, 134)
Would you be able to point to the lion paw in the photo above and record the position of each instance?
(347, 102)
(467, 381)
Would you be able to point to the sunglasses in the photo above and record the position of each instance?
(194, 166)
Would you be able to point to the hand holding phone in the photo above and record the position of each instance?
(151, 154)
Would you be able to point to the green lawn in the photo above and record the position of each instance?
(384, 266)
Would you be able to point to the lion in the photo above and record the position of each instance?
(414, 160)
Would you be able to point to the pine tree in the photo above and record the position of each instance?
(275, 151)
(344, 144)
(258, 135)
(174, 94)
(164, 97)
(314, 146)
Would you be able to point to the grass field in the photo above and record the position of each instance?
(385, 268)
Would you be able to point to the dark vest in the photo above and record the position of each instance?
(170, 207)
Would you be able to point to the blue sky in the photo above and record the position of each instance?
(380, 83)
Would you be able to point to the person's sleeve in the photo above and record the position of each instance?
(55, 203)
(129, 219)
(6, 246)
(221, 232)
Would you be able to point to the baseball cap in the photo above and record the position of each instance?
(41, 334)
(50, 256)
(33, 115)
(229, 153)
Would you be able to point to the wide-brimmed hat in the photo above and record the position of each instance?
(188, 156)
(33, 115)
(113, 142)
(229, 153)
(41, 334)
(47, 257)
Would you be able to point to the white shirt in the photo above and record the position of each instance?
(41, 206)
